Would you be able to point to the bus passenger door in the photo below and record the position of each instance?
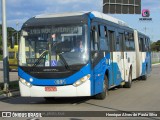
(111, 37)
(120, 55)
(141, 54)
(96, 57)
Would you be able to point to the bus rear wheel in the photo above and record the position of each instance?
(129, 83)
(144, 77)
(102, 95)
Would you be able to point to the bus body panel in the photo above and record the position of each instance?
(55, 82)
(98, 73)
(118, 68)
(143, 58)
(138, 55)
(130, 64)
(115, 64)
(146, 63)
(62, 91)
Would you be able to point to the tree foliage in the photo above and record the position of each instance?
(155, 46)
(10, 31)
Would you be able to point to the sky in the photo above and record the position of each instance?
(18, 11)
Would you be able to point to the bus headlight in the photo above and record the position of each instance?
(25, 82)
(81, 81)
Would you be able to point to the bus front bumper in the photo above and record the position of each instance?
(62, 91)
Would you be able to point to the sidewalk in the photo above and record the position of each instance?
(10, 94)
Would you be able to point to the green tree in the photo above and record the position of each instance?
(155, 46)
(10, 31)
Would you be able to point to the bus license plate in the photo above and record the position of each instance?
(50, 89)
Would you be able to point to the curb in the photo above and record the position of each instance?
(2, 96)
(9, 95)
(155, 64)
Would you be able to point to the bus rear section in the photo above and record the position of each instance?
(143, 55)
(13, 58)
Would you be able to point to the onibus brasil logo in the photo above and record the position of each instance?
(145, 15)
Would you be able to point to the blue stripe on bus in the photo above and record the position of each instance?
(115, 80)
(146, 63)
(96, 81)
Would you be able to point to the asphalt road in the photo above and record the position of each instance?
(142, 96)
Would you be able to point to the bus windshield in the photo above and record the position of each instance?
(53, 46)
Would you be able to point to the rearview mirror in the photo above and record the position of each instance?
(12, 42)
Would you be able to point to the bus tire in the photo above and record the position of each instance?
(102, 95)
(129, 83)
(144, 77)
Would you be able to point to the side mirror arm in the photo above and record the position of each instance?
(12, 42)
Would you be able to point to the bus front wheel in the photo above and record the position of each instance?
(102, 95)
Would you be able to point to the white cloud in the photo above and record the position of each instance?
(21, 10)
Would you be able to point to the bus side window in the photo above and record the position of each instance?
(103, 39)
(119, 42)
(145, 44)
(149, 44)
(131, 40)
(111, 40)
(140, 44)
(106, 37)
(95, 38)
(127, 44)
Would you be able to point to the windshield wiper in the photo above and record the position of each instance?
(64, 61)
(40, 58)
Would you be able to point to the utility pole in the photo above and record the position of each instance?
(145, 30)
(5, 48)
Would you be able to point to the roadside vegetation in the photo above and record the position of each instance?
(10, 31)
(155, 46)
(155, 62)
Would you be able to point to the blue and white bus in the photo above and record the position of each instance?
(80, 54)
